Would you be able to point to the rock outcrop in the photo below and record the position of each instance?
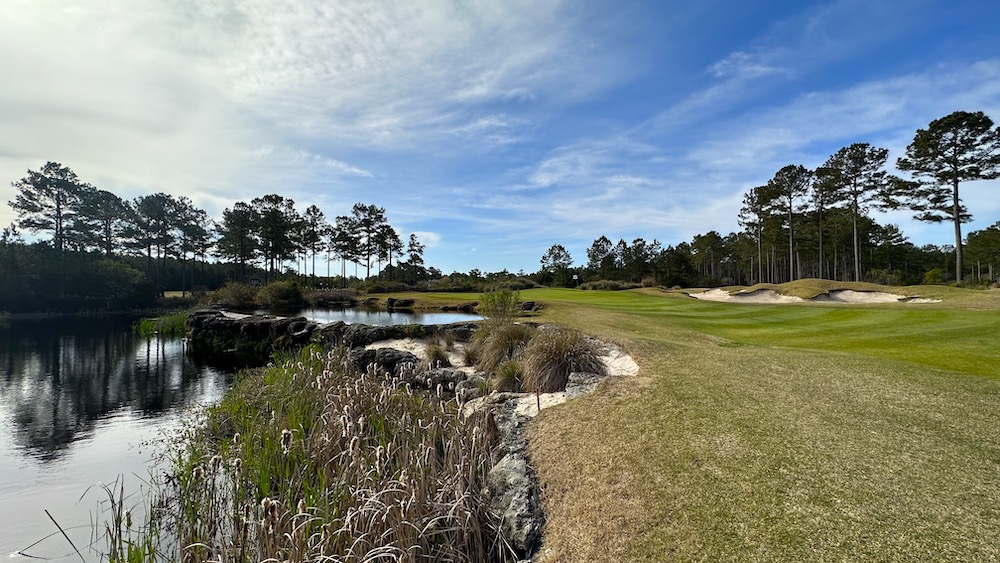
(245, 341)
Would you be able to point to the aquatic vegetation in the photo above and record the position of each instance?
(309, 460)
(169, 325)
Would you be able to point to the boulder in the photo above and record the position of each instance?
(386, 359)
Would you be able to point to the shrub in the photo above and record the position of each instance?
(239, 295)
(554, 354)
(508, 377)
(608, 285)
(385, 286)
(935, 276)
(649, 281)
(500, 306)
(500, 343)
(518, 284)
(332, 297)
(884, 277)
(280, 294)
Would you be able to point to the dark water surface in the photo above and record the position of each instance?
(84, 403)
(375, 317)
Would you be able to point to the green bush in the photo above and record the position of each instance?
(554, 354)
(384, 286)
(937, 276)
(518, 284)
(281, 294)
(169, 325)
(239, 295)
(332, 297)
(500, 306)
(884, 277)
(609, 285)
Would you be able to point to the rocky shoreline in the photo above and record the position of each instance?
(513, 488)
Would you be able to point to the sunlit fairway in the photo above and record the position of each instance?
(778, 432)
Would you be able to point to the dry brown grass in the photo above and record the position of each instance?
(552, 355)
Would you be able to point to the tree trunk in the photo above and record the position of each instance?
(956, 216)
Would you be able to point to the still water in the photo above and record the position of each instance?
(85, 404)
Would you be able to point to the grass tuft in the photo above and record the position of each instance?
(500, 343)
(552, 355)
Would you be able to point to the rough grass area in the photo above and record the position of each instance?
(307, 461)
(777, 433)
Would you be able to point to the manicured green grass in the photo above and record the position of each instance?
(777, 433)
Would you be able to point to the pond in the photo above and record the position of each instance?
(375, 317)
(84, 403)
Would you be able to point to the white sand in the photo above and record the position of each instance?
(759, 296)
(616, 361)
(836, 296)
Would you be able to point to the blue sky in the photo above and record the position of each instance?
(491, 129)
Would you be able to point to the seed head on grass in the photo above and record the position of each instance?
(554, 354)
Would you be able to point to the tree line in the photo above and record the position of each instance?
(160, 241)
(815, 222)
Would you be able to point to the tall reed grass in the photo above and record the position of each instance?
(309, 460)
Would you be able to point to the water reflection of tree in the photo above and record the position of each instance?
(59, 377)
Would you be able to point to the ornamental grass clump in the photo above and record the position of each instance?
(309, 460)
(552, 355)
(508, 377)
(502, 342)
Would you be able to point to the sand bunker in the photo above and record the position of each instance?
(836, 296)
(759, 296)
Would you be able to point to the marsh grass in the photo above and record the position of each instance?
(309, 461)
(169, 325)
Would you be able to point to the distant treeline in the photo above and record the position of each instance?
(815, 223)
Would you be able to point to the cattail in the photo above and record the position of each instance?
(236, 438)
(286, 440)
(302, 506)
(198, 473)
